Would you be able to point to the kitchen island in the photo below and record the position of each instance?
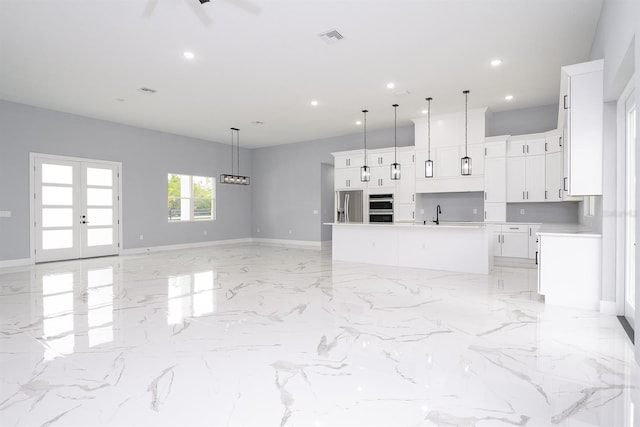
(450, 246)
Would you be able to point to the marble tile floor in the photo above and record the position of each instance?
(256, 335)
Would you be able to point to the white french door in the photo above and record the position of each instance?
(631, 217)
(76, 208)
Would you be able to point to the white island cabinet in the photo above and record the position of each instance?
(458, 247)
(569, 268)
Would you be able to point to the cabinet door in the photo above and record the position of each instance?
(553, 144)
(585, 134)
(494, 149)
(535, 178)
(349, 160)
(535, 146)
(381, 178)
(533, 240)
(495, 212)
(515, 244)
(495, 190)
(516, 179)
(406, 158)
(406, 186)
(476, 152)
(516, 148)
(348, 178)
(553, 176)
(447, 162)
(383, 158)
(403, 212)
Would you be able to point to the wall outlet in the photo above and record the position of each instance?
(475, 211)
(258, 230)
(422, 211)
(290, 231)
(5, 214)
(315, 211)
(521, 211)
(141, 237)
(205, 232)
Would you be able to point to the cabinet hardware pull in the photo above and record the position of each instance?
(485, 195)
(485, 214)
(536, 257)
(560, 141)
(523, 196)
(566, 104)
(545, 147)
(527, 148)
(564, 183)
(513, 228)
(485, 151)
(545, 195)
(559, 193)
(523, 152)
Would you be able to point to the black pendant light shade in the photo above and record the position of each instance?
(232, 178)
(365, 171)
(395, 166)
(428, 164)
(465, 162)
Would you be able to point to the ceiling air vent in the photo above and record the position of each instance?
(147, 90)
(331, 37)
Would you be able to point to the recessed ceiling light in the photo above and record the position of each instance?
(358, 122)
(188, 55)
(257, 122)
(425, 111)
(391, 85)
(508, 97)
(314, 103)
(496, 62)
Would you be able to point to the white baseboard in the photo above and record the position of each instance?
(608, 307)
(16, 262)
(284, 242)
(137, 251)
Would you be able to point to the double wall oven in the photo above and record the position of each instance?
(380, 208)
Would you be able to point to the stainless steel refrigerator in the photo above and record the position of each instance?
(349, 206)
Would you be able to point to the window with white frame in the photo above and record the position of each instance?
(191, 198)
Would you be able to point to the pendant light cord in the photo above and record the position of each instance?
(364, 113)
(395, 134)
(466, 121)
(232, 151)
(429, 128)
(238, 145)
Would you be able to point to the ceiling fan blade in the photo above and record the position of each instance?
(198, 10)
(247, 6)
(149, 7)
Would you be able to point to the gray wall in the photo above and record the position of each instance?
(327, 202)
(523, 121)
(454, 206)
(557, 213)
(147, 157)
(287, 186)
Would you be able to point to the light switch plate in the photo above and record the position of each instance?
(5, 214)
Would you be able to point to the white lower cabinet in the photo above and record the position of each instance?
(533, 241)
(569, 270)
(514, 240)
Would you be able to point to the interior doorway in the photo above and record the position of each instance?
(75, 209)
(628, 103)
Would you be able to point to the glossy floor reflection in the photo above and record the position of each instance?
(260, 335)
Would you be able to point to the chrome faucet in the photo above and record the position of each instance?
(438, 212)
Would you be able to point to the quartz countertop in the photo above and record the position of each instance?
(415, 224)
(568, 229)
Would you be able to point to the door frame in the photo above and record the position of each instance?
(32, 204)
(621, 197)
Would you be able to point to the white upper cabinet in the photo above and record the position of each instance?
(348, 179)
(581, 117)
(447, 148)
(526, 179)
(553, 177)
(526, 147)
(348, 159)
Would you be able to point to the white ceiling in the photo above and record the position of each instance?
(263, 60)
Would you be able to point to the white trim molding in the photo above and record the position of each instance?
(16, 262)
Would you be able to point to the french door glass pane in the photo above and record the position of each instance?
(57, 174)
(103, 177)
(57, 217)
(57, 239)
(100, 277)
(97, 216)
(99, 236)
(59, 196)
(99, 197)
(57, 283)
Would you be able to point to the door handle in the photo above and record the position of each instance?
(84, 222)
(566, 104)
(536, 257)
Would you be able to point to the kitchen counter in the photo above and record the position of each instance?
(449, 246)
(567, 229)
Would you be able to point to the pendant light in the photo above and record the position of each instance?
(465, 162)
(428, 164)
(365, 171)
(232, 178)
(395, 166)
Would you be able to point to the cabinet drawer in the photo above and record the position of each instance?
(515, 228)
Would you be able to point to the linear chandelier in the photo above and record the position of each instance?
(233, 178)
